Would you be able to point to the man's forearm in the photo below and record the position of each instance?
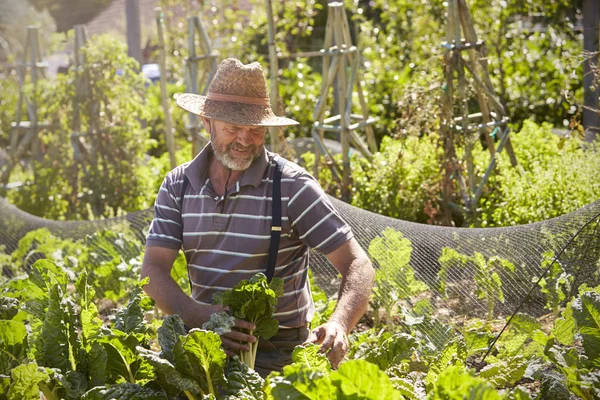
(169, 297)
(354, 294)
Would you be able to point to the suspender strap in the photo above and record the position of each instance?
(276, 220)
(186, 183)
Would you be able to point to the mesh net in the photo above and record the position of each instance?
(431, 278)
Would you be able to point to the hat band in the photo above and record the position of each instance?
(262, 101)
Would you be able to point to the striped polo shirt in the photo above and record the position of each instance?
(226, 238)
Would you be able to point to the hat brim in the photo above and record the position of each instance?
(231, 112)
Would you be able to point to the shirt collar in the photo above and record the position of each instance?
(197, 170)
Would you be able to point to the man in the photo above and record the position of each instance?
(223, 224)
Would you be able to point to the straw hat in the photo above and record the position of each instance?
(237, 95)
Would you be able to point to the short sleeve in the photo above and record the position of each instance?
(166, 229)
(313, 218)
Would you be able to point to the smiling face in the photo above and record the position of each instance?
(235, 146)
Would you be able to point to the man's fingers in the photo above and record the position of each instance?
(338, 350)
(328, 339)
(240, 323)
(239, 336)
(229, 344)
(316, 336)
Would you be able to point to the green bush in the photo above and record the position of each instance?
(555, 176)
(402, 181)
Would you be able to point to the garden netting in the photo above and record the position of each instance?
(428, 277)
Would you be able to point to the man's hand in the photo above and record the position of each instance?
(333, 340)
(231, 340)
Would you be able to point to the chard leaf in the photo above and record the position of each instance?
(506, 372)
(456, 383)
(564, 328)
(123, 360)
(13, 344)
(199, 356)
(130, 319)
(4, 385)
(9, 307)
(243, 382)
(167, 376)
(553, 389)
(455, 354)
(219, 323)
(25, 381)
(58, 342)
(97, 364)
(124, 391)
(309, 356)
(254, 300)
(171, 328)
(360, 379)
(45, 273)
(586, 311)
(298, 382)
(392, 351)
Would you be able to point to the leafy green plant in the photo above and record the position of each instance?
(394, 279)
(487, 279)
(254, 300)
(556, 285)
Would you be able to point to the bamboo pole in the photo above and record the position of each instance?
(273, 68)
(169, 139)
(192, 86)
(471, 37)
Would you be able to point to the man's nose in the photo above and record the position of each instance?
(244, 137)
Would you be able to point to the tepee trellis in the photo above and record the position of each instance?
(209, 59)
(25, 129)
(340, 71)
(490, 119)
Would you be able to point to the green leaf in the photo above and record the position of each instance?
(199, 356)
(310, 356)
(131, 318)
(167, 376)
(4, 385)
(360, 379)
(298, 382)
(124, 391)
(97, 365)
(586, 311)
(58, 341)
(392, 351)
(9, 307)
(455, 354)
(243, 382)
(565, 328)
(506, 372)
(13, 344)
(25, 381)
(171, 328)
(456, 383)
(219, 323)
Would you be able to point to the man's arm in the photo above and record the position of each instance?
(171, 299)
(353, 299)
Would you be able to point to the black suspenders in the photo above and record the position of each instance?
(275, 222)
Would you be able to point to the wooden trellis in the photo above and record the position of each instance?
(490, 120)
(209, 60)
(340, 71)
(25, 129)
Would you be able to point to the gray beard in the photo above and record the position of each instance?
(233, 164)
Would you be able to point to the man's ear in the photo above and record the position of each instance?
(206, 123)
